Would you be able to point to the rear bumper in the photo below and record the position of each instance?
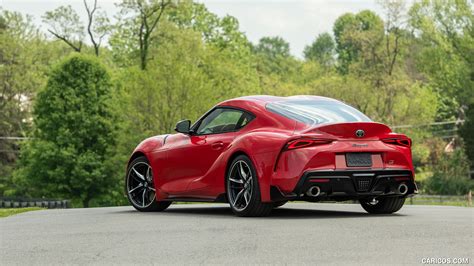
(350, 184)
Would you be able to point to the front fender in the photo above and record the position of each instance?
(148, 145)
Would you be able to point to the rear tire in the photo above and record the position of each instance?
(140, 187)
(243, 190)
(383, 206)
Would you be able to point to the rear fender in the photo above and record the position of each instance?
(262, 148)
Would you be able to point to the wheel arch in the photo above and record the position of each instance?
(135, 155)
(263, 177)
(262, 148)
(147, 146)
(232, 157)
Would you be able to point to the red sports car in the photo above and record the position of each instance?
(259, 152)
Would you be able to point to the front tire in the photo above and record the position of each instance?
(140, 187)
(243, 190)
(383, 206)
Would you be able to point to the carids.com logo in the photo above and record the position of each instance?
(455, 260)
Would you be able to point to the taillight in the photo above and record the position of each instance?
(400, 142)
(305, 142)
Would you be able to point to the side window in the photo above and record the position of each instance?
(244, 120)
(221, 120)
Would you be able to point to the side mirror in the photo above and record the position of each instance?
(183, 126)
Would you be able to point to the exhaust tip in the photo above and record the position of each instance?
(402, 189)
(313, 191)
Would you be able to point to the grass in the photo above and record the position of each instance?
(13, 211)
(444, 203)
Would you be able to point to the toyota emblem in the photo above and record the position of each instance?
(360, 133)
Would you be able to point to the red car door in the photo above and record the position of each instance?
(190, 156)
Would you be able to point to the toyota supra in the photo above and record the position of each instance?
(259, 152)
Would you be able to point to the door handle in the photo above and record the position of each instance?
(217, 145)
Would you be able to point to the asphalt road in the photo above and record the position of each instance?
(206, 233)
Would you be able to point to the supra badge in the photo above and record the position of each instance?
(360, 145)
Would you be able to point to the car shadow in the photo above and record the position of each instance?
(279, 213)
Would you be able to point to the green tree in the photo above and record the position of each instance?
(272, 55)
(450, 175)
(273, 47)
(152, 95)
(445, 35)
(223, 33)
(73, 135)
(321, 50)
(24, 57)
(355, 33)
(445, 31)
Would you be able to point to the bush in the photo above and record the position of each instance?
(73, 135)
(467, 133)
(450, 175)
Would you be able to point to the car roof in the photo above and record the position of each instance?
(256, 104)
(262, 100)
(270, 98)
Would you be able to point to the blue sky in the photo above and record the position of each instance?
(298, 22)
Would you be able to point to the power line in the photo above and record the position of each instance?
(448, 137)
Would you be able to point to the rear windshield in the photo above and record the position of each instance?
(313, 112)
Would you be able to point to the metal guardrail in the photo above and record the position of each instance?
(420, 198)
(42, 203)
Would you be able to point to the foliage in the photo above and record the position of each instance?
(223, 33)
(321, 50)
(446, 31)
(467, 133)
(25, 56)
(272, 55)
(450, 176)
(273, 47)
(73, 136)
(356, 33)
(153, 94)
(66, 25)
